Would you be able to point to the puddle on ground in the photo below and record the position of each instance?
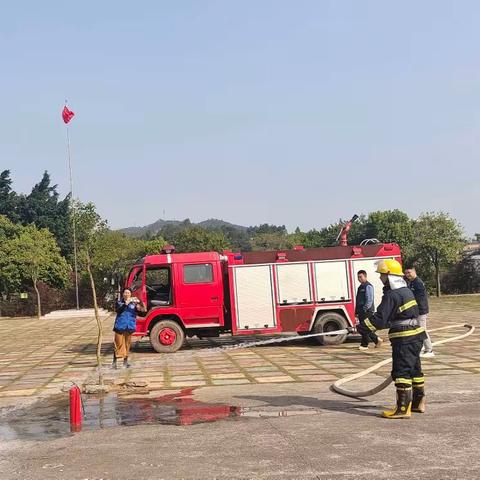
(49, 418)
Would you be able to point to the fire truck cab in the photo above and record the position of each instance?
(207, 294)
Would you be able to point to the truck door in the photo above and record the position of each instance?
(200, 293)
(136, 283)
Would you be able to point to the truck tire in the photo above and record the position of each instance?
(167, 336)
(329, 322)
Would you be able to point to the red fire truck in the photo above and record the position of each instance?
(208, 294)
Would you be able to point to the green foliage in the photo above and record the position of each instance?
(8, 198)
(391, 226)
(41, 207)
(433, 242)
(238, 238)
(196, 239)
(267, 228)
(35, 256)
(464, 276)
(171, 229)
(438, 242)
(311, 239)
(90, 229)
(152, 247)
(8, 229)
(10, 278)
(29, 255)
(111, 251)
(272, 241)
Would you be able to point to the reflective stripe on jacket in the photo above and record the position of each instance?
(396, 305)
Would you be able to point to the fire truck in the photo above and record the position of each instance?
(262, 292)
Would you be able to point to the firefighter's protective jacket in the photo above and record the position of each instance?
(398, 311)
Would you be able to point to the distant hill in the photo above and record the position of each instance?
(155, 227)
(215, 224)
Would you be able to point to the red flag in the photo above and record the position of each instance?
(67, 114)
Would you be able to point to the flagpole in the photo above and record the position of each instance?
(74, 223)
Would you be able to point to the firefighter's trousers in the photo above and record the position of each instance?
(366, 337)
(406, 365)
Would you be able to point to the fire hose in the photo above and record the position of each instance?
(337, 386)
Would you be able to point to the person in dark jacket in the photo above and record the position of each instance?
(364, 308)
(124, 326)
(420, 292)
(398, 311)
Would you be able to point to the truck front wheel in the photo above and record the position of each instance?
(167, 336)
(330, 322)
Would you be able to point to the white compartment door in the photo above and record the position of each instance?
(331, 280)
(293, 283)
(254, 299)
(373, 277)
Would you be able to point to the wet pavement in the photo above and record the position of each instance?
(49, 417)
(300, 431)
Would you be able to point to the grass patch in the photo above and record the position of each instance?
(464, 301)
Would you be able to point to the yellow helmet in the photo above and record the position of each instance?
(390, 267)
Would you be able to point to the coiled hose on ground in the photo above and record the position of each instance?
(337, 386)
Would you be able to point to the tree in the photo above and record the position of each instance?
(197, 239)
(170, 229)
(272, 241)
(8, 198)
(153, 246)
(43, 208)
(438, 242)
(327, 236)
(238, 238)
(113, 252)
(10, 278)
(464, 276)
(266, 228)
(391, 226)
(33, 256)
(90, 233)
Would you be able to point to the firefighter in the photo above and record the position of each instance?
(398, 311)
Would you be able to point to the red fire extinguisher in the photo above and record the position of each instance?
(75, 409)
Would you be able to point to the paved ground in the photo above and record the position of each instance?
(49, 354)
(343, 439)
(317, 435)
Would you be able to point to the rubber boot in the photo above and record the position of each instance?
(404, 404)
(126, 363)
(418, 399)
(114, 363)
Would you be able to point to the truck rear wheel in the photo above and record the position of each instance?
(330, 322)
(167, 336)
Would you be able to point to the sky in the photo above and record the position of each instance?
(254, 111)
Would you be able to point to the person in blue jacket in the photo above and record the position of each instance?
(124, 325)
